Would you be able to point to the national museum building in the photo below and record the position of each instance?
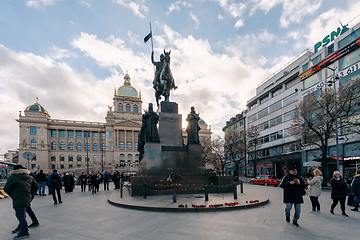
(65, 144)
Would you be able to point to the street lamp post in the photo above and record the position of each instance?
(87, 152)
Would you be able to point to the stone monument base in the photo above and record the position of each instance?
(190, 183)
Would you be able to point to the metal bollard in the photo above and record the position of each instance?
(144, 190)
(206, 193)
(242, 187)
(174, 192)
(121, 190)
(235, 191)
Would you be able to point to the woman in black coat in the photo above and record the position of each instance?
(338, 192)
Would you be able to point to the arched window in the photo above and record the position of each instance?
(33, 143)
(71, 158)
(71, 146)
(128, 108)
(62, 146)
(129, 146)
(129, 158)
(53, 158)
(103, 148)
(120, 108)
(111, 146)
(136, 109)
(136, 146)
(78, 158)
(122, 160)
(53, 145)
(79, 146)
(137, 159)
(87, 146)
(122, 145)
(62, 158)
(95, 147)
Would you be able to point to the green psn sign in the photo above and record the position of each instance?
(329, 38)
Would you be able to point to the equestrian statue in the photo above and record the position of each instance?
(163, 80)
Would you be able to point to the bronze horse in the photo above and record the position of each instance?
(166, 81)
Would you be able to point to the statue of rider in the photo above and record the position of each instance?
(159, 66)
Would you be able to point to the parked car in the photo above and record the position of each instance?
(265, 180)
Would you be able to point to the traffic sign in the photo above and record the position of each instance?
(28, 155)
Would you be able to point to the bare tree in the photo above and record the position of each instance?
(315, 117)
(207, 153)
(217, 147)
(235, 148)
(252, 139)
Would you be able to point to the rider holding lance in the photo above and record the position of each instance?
(159, 66)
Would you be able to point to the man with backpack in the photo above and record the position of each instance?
(55, 182)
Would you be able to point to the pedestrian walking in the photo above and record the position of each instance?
(55, 182)
(315, 183)
(67, 182)
(88, 180)
(338, 192)
(355, 190)
(106, 179)
(294, 187)
(83, 180)
(21, 187)
(41, 179)
(35, 221)
(94, 180)
(116, 179)
(48, 182)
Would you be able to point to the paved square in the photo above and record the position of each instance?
(90, 216)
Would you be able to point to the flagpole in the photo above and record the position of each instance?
(152, 45)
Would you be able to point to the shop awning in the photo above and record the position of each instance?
(312, 164)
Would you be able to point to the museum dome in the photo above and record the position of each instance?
(127, 90)
(36, 107)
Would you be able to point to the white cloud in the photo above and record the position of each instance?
(39, 4)
(57, 53)
(195, 19)
(294, 11)
(234, 9)
(64, 93)
(138, 7)
(85, 2)
(177, 6)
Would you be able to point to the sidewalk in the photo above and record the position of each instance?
(89, 216)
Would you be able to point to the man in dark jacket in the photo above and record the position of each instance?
(294, 186)
(83, 180)
(106, 179)
(21, 187)
(41, 179)
(55, 183)
(355, 190)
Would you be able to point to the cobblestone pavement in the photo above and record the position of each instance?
(89, 216)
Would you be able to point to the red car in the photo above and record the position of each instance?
(265, 180)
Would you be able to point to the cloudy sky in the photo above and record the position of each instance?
(71, 54)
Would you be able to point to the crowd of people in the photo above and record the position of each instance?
(22, 186)
(295, 187)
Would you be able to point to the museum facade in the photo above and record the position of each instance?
(70, 145)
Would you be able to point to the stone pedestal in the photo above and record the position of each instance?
(172, 156)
